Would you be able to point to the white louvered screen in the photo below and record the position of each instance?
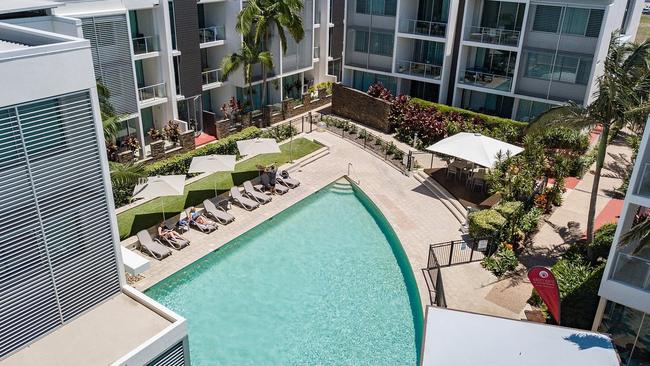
(28, 305)
(111, 52)
(172, 357)
(59, 260)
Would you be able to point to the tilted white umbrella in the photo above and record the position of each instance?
(258, 146)
(474, 147)
(160, 186)
(213, 164)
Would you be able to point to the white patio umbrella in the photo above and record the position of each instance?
(258, 146)
(160, 186)
(474, 147)
(213, 164)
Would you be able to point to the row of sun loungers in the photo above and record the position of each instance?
(251, 198)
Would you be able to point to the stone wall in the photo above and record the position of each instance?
(360, 107)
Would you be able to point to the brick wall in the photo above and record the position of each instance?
(360, 107)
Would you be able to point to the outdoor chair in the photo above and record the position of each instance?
(251, 193)
(218, 213)
(181, 226)
(279, 188)
(152, 247)
(246, 203)
(204, 228)
(287, 181)
(176, 243)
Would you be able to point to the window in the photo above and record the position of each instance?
(528, 110)
(362, 81)
(377, 7)
(575, 21)
(361, 41)
(375, 43)
(568, 69)
(547, 18)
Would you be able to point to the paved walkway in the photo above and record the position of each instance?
(417, 217)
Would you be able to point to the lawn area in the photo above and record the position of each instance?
(150, 213)
(644, 29)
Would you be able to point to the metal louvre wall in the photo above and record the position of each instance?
(174, 356)
(28, 305)
(111, 52)
(60, 261)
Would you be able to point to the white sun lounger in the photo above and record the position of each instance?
(152, 247)
(218, 214)
(246, 203)
(253, 194)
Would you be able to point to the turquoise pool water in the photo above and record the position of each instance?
(325, 282)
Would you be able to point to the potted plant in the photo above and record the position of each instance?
(132, 143)
(172, 132)
(155, 134)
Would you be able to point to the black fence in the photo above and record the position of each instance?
(461, 251)
(433, 278)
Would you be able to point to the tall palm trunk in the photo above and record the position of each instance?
(250, 99)
(600, 160)
(266, 48)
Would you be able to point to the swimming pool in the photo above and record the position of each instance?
(324, 282)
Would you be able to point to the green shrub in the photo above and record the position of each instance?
(485, 223)
(530, 220)
(506, 209)
(179, 164)
(565, 138)
(603, 238)
(501, 262)
(490, 121)
(280, 133)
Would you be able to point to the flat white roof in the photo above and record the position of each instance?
(466, 339)
(99, 337)
(12, 6)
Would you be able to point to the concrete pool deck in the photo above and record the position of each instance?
(418, 218)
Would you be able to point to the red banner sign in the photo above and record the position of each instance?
(545, 284)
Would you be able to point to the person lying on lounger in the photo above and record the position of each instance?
(166, 233)
(198, 217)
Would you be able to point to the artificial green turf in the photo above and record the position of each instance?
(150, 213)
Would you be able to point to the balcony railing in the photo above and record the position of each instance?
(152, 92)
(212, 76)
(486, 80)
(494, 36)
(423, 27)
(316, 51)
(145, 45)
(632, 270)
(419, 69)
(212, 34)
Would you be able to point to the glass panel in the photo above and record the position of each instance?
(547, 18)
(595, 22)
(575, 21)
(622, 324)
(566, 69)
(360, 41)
(584, 70)
(508, 16)
(490, 14)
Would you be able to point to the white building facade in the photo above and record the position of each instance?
(513, 59)
(64, 298)
(624, 308)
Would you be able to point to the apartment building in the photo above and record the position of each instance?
(513, 59)
(161, 59)
(64, 298)
(624, 308)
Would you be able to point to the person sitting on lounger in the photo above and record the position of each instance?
(198, 217)
(166, 233)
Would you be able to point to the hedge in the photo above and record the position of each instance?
(506, 209)
(180, 164)
(491, 121)
(603, 238)
(485, 223)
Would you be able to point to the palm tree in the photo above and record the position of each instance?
(623, 95)
(260, 17)
(110, 121)
(249, 55)
(125, 174)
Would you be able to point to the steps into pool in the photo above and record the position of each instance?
(341, 188)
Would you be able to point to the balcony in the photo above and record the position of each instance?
(632, 270)
(152, 92)
(212, 76)
(643, 189)
(144, 45)
(212, 34)
(486, 80)
(423, 28)
(419, 69)
(501, 37)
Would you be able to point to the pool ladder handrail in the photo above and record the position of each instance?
(350, 168)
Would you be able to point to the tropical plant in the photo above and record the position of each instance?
(260, 17)
(172, 131)
(501, 262)
(125, 174)
(622, 96)
(248, 56)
